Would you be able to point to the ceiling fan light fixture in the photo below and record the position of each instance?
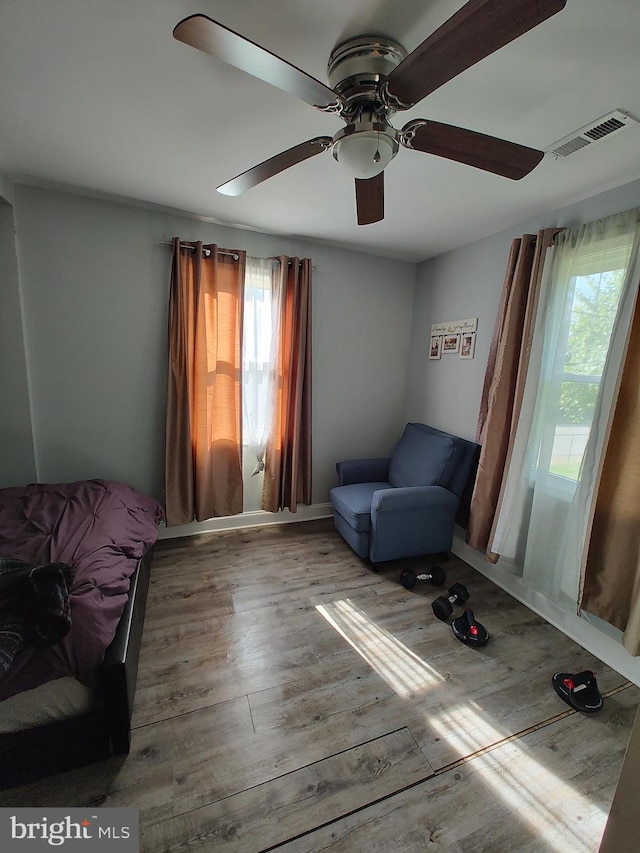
(366, 153)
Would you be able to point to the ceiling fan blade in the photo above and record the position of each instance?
(474, 149)
(370, 199)
(207, 35)
(275, 165)
(478, 29)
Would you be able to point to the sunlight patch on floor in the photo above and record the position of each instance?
(545, 803)
(535, 795)
(403, 670)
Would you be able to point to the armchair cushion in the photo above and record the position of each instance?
(423, 459)
(353, 502)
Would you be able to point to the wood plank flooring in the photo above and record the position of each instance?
(289, 698)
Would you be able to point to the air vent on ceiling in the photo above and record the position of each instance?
(599, 129)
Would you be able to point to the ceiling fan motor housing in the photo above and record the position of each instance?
(358, 66)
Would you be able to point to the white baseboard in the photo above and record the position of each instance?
(609, 650)
(256, 518)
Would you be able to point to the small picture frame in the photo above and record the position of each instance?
(435, 349)
(451, 343)
(467, 344)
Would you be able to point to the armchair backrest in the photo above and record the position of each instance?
(425, 456)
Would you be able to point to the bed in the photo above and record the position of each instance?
(82, 552)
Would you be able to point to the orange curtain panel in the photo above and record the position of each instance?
(203, 446)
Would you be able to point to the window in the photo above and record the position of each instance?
(260, 332)
(583, 315)
(585, 288)
(590, 311)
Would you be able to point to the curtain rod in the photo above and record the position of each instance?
(205, 252)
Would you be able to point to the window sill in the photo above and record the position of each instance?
(554, 485)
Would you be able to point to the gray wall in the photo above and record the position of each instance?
(465, 283)
(95, 286)
(94, 283)
(17, 462)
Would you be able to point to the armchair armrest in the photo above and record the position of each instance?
(362, 471)
(413, 497)
(411, 520)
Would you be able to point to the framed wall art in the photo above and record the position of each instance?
(455, 327)
(467, 344)
(435, 350)
(450, 343)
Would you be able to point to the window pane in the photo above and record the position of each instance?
(577, 401)
(595, 302)
(257, 344)
(571, 435)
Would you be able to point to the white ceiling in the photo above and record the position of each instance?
(96, 95)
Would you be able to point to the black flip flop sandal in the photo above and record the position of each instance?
(468, 631)
(580, 690)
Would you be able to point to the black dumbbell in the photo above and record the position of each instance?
(443, 606)
(435, 575)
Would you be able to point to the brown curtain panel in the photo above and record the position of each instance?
(611, 578)
(203, 450)
(287, 476)
(504, 381)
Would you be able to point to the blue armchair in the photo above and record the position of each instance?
(406, 505)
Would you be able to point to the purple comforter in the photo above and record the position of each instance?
(98, 527)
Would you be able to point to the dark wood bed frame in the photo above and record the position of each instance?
(56, 747)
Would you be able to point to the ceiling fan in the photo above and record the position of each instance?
(370, 79)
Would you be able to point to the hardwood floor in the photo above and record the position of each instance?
(291, 698)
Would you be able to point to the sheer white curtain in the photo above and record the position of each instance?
(585, 309)
(259, 349)
(572, 554)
